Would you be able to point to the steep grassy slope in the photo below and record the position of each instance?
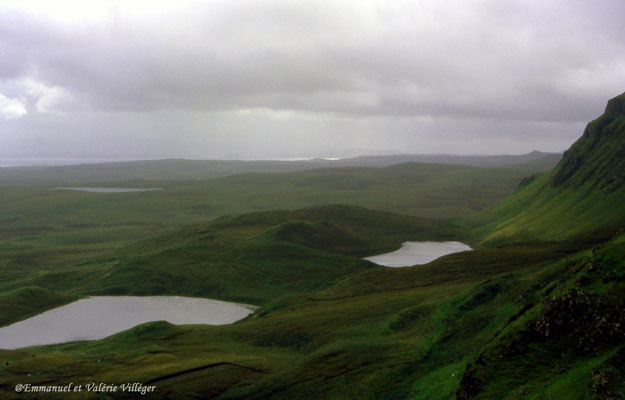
(583, 193)
(568, 342)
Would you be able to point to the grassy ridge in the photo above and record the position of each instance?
(252, 258)
(536, 211)
(569, 341)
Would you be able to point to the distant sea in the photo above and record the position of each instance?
(51, 161)
(42, 161)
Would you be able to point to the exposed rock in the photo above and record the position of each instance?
(616, 106)
(598, 155)
(469, 387)
(591, 320)
(609, 378)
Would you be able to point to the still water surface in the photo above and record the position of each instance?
(107, 190)
(417, 253)
(98, 317)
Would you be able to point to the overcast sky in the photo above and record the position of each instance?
(291, 78)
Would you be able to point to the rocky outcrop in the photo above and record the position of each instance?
(589, 319)
(609, 378)
(598, 157)
(616, 107)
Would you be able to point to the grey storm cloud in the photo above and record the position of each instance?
(489, 60)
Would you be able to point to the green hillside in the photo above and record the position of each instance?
(583, 193)
(251, 258)
(568, 342)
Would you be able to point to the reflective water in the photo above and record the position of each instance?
(108, 190)
(98, 317)
(416, 253)
(55, 161)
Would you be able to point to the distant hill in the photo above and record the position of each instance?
(544, 163)
(583, 193)
(548, 159)
(180, 169)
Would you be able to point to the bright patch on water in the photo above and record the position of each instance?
(107, 190)
(417, 253)
(98, 317)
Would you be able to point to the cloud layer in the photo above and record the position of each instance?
(419, 72)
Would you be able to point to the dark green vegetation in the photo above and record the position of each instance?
(535, 312)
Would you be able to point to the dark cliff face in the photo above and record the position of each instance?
(597, 159)
(616, 107)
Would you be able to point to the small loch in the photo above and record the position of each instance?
(95, 318)
(417, 253)
(107, 189)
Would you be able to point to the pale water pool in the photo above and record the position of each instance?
(417, 253)
(107, 190)
(95, 318)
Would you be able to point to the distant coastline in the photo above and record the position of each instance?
(55, 161)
